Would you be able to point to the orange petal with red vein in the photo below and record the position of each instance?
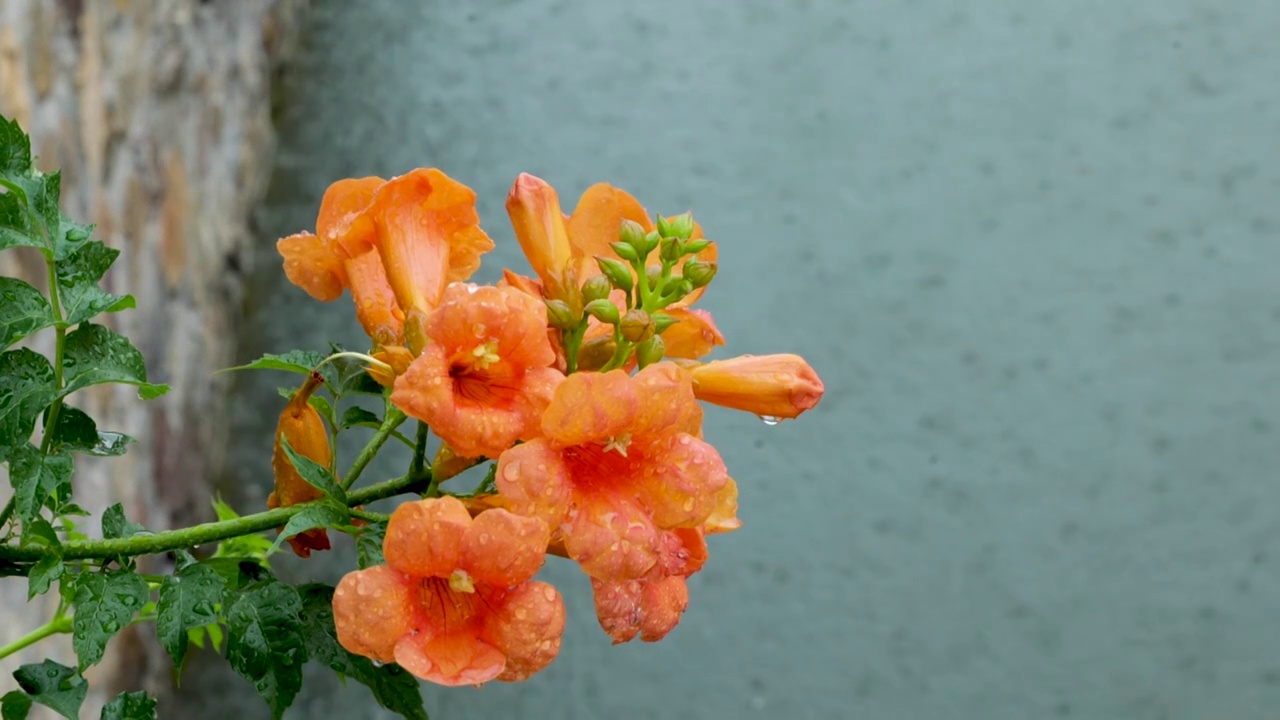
(424, 538)
(455, 658)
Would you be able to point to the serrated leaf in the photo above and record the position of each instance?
(116, 525)
(55, 686)
(361, 383)
(26, 389)
(264, 640)
(294, 361)
(320, 515)
(35, 476)
(78, 277)
(393, 687)
(70, 237)
(105, 603)
(15, 705)
(23, 311)
(15, 148)
(46, 570)
(359, 416)
(94, 355)
(188, 599)
(39, 533)
(369, 545)
(316, 475)
(323, 407)
(130, 706)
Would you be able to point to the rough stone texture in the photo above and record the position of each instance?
(1032, 247)
(159, 115)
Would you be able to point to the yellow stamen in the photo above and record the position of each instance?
(486, 354)
(460, 581)
(618, 444)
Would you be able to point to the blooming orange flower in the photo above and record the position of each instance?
(483, 381)
(620, 461)
(317, 263)
(777, 386)
(454, 604)
(425, 228)
(301, 425)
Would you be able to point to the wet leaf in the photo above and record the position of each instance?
(188, 599)
(264, 640)
(105, 602)
(95, 355)
(55, 686)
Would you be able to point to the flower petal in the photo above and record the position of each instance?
(527, 629)
(597, 220)
(724, 518)
(611, 536)
(534, 481)
(539, 224)
(504, 549)
(682, 479)
(372, 609)
(590, 407)
(455, 658)
(313, 265)
(375, 302)
(342, 204)
(666, 401)
(694, 335)
(663, 602)
(424, 538)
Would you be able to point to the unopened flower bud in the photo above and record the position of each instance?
(651, 242)
(619, 275)
(596, 353)
(771, 386)
(676, 226)
(670, 250)
(662, 321)
(560, 316)
(596, 287)
(650, 351)
(624, 251)
(637, 326)
(699, 273)
(654, 274)
(633, 234)
(693, 247)
(603, 310)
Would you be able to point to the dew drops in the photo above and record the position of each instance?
(521, 613)
(769, 420)
(688, 504)
(479, 330)
(110, 626)
(512, 471)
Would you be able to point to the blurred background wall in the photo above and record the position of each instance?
(1032, 248)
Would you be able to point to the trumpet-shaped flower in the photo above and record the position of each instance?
(455, 603)
(426, 231)
(302, 427)
(777, 386)
(619, 462)
(483, 380)
(317, 263)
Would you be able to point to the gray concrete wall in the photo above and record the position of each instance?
(1033, 250)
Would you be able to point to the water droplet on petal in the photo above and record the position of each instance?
(521, 613)
(549, 592)
(479, 330)
(512, 471)
(769, 420)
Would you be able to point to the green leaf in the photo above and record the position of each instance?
(26, 389)
(78, 277)
(39, 533)
(47, 569)
(35, 476)
(369, 545)
(325, 514)
(295, 361)
(264, 640)
(95, 355)
(23, 311)
(116, 525)
(393, 687)
(15, 148)
(362, 383)
(55, 686)
(130, 706)
(188, 599)
(359, 416)
(316, 475)
(105, 602)
(15, 705)
(70, 237)
(323, 407)
(78, 432)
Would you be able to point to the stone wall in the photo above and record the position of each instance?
(159, 115)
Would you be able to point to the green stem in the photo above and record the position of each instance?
(60, 341)
(369, 516)
(7, 511)
(418, 463)
(208, 532)
(53, 627)
(389, 425)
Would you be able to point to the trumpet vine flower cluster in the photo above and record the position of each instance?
(582, 382)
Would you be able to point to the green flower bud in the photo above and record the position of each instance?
(603, 310)
(596, 287)
(698, 273)
(560, 316)
(619, 274)
(595, 354)
(676, 289)
(662, 321)
(624, 251)
(693, 247)
(654, 273)
(650, 351)
(651, 242)
(632, 233)
(636, 326)
(671, 250)
(676, 226)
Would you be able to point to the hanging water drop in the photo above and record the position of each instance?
(769, 420)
